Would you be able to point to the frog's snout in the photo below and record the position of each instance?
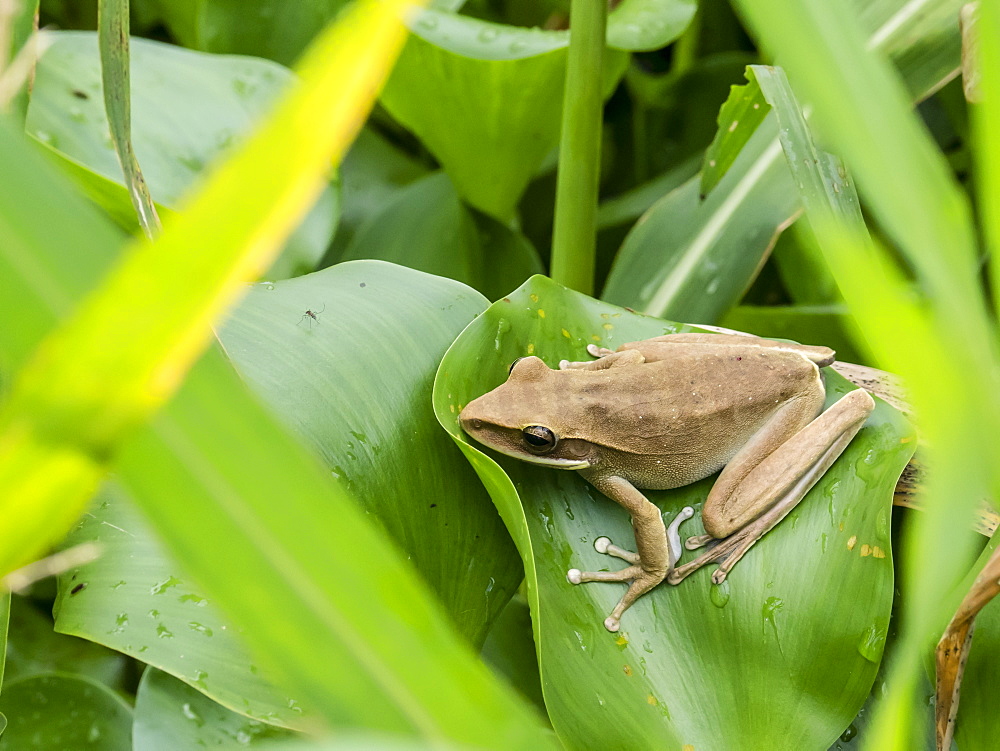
(470, 424)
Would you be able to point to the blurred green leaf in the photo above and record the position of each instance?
(137, 600)
(977, 723)
(739, 117)
(188, 110)
(59, 711)
(269, 28)
(19, 23)
(427, 227)
(486, 101)
(789, 620)
(5, 605)
(352, 382)
(170, 715)
(636, 25)
(804, 272)
(33, 647)
(912, 193)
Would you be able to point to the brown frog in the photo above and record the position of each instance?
(665, 412)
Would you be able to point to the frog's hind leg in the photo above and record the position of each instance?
(784, 476)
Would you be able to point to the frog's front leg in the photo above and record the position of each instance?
(654, 558)
(762, 485)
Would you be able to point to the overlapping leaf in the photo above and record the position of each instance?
(188, 109)
(57, 710)
(788, 623)
(428, 228)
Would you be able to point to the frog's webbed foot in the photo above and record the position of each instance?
(728, 551)
(698, 541)
(641, 580)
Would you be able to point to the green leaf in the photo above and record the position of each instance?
(266, 531)
(739, 117)
(5, 602)
(136, 599)
(486, 100)
(863, 109)
(692, 259)
(33, 647)
(271, 28)
(639, 25)
(373, 172)
(789, 620)
(674, 113)
(60, 711)
(170, 715)
(629, 206)
(188, 110)
(396, 325)
(427, 227)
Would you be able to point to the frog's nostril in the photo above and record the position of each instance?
(471, 423)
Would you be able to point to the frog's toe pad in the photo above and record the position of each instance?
(612, 624)
(601, 544)
(574, 576)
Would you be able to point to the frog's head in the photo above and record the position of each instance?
(525, 417)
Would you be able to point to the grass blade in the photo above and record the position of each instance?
(113, 36)
(82, 392)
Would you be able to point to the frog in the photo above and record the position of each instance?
(669, 411)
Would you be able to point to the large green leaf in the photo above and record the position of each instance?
(355, 382)
(188, 109)
(788, 623)
(61, 711)
(136, 599)
(486, 100)
(428, 228)
(170, 716)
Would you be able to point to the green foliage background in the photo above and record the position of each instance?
(302, 544)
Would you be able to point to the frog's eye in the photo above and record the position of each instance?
(539, 439)
(511, 368)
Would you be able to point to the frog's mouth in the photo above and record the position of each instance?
(545, 461)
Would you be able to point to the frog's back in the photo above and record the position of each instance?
(675, 420)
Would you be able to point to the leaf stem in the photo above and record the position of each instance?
(574, 234)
